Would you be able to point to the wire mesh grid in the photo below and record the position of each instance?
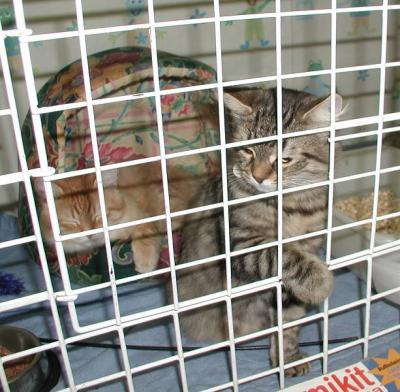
(118, 323)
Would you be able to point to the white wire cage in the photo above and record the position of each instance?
(120, 322)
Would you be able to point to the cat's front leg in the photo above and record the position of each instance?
(146, 246)
(290, 343)
(305, 276)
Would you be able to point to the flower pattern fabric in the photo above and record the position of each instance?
(125, 131)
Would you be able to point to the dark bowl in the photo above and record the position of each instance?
(19, 339)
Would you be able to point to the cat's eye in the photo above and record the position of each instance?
(247, 151)
(286, 160)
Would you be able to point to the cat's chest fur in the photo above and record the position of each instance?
(259, 220)
(297, 223)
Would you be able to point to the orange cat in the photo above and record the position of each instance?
(131, 193)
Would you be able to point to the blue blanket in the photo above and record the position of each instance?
(202, 372)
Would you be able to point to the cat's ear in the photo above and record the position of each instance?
(109, 177)
(320, 112)
(238, 103)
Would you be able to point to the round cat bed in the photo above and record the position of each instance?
(125, 131)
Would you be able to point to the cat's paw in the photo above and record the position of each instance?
(294, 371)
(298, 370)
(145, 267)
(322, 283)
(146, 259)
(316, 285)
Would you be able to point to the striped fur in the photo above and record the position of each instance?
(252, 170)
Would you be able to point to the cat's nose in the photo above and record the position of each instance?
(261, 171)
(259, 179)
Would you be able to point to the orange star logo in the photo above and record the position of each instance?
(388, 368)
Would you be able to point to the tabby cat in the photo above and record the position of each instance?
(251, 114)
(131, 193)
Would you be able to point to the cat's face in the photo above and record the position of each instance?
(305, 159)
(78, 209)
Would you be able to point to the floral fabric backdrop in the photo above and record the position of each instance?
(126, 131)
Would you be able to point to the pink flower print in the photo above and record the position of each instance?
(81, 163)
(167, 100)
(107, 154)
(164, 254)
(81, 259)
(185, 110)
(203, 74)
(120, 154)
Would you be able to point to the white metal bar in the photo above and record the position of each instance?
(304, 360)
(346, 346)
(222, 133)
(368, 307)
(190, 305)
(239, 252)
(354, 256)
(355, 135)
(390, 247)
(247, 250)
(346, 263)
(185, 22)
(257, 376)
(31, 351)
(12, 178)
(32, 299)
(97, 164)
(125, 358)
(60, 107)
(20, 20)
(122, 98)
(393, 64)
(18, 241)
(180, 353)
(279, 133)
(206, 260)
(351, 305)
(206, 349)
(303, 320)
(381, 251)
(255, 335)
(160, 127)
(389, 169)
(279, 312)
(99, 381)
(3, 377)
(391, 129)
(5, 112)
(231, 202)
(331, 176)
(380, 122)
(221, 387)
(85, 69)
(155, 364)
(384, 332)
(40, 145)
(208, 86)
(385, 293)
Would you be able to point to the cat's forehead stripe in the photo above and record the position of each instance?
(264, 121)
